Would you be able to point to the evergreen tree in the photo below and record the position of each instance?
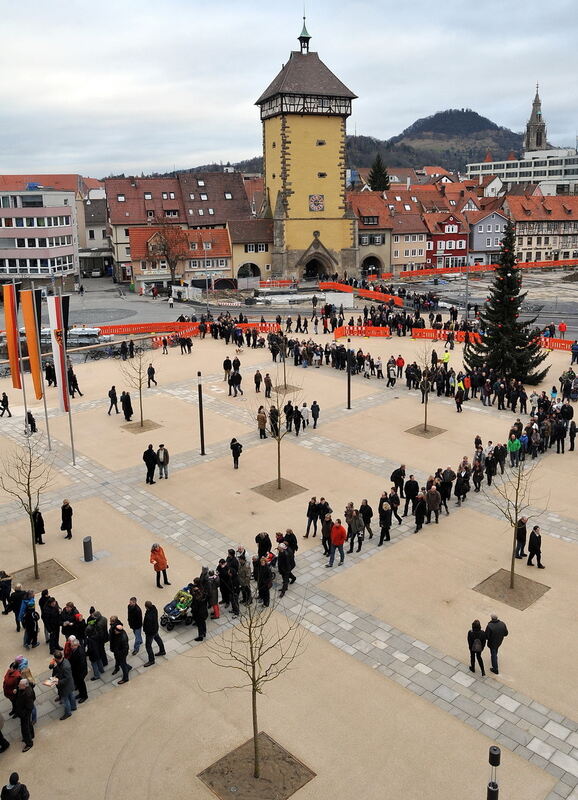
(508, 346)
(378, 177)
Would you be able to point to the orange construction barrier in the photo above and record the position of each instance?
(262, 327)
(330, 286)
(150, 327)
(361, 330)
(475, 268)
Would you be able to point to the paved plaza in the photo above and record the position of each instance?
(382, 701)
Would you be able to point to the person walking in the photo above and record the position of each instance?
(397, 477)
(160, 564)
(163, 462)
(23, 708)
(338, 537)
(5, 405)
(262, 422)
(134, 619)
(496, 632)
(151, 375)
(62, 672)
(356, 527)
(150, 458)
(326, 527)
(66, 519)
(112, 396)
(258, 378)
(236, 450)
(476, 644)
(14, 790)
(521, 537)
(150, 626)
(312, 516)
(366, 513)
(315, 411)
(285, 565)
(535, 547)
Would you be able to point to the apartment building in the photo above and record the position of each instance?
(39, 237)
(546, 227)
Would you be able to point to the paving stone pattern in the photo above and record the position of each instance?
(509, 718)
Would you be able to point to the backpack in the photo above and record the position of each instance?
(477, 646)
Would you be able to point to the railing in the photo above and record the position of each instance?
(369, 295)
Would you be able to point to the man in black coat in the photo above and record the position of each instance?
(312, 516)
(119, 647)
(23, 705)
(16, 599)
(496, 632)
(535, 547)
(285, 565)
(51, 620)
(150, 626)
(521, 537)
(411, 492)
(112, 396)
(134, 619)
(150, 458)
(397, 478)
(79, 668)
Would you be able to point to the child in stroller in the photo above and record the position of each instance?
(178, 610)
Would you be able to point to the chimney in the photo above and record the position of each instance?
(407, 183)
(480, 180)
(442, 190)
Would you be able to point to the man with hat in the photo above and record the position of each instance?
(163, 462)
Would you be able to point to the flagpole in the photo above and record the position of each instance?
(41, 369)
(66, 386)
(20, 366)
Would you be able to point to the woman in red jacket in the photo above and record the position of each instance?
(159, 561)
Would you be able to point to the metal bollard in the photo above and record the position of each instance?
(87, 546)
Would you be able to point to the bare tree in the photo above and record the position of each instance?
(26, 473)
(425, 384)
(275, 428)
(261, 645)
(135, 374)
(513, 498)
(169, 243)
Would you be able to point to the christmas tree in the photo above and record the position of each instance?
(508, 346)
(378, 178)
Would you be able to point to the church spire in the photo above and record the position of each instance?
(304, 38)
(535, 138)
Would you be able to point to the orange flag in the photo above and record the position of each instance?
(32, 339)
(11, 321)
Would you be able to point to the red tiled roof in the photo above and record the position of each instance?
(133, 210)
(64, 183)
(93, 183)
(437, 171)
(369, 204)
(218, 237)
(407, 223)
(216, 186)
(489, 156)
(543, 208)
(434, 221)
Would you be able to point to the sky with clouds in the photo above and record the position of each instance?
(127, 86)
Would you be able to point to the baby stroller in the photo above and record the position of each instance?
(178, 610)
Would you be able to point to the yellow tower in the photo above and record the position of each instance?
(303, 113)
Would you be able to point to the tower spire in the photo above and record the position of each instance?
(304, 38)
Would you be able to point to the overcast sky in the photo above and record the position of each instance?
(126, 86)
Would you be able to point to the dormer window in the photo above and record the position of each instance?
(204, 197)
(228, 196)
(200, 183)
(148, 196)
(120, 198)
(207, 245)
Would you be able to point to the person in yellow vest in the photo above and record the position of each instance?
(446, 359)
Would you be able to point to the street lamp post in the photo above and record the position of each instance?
(201, 418)
(348, 375)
